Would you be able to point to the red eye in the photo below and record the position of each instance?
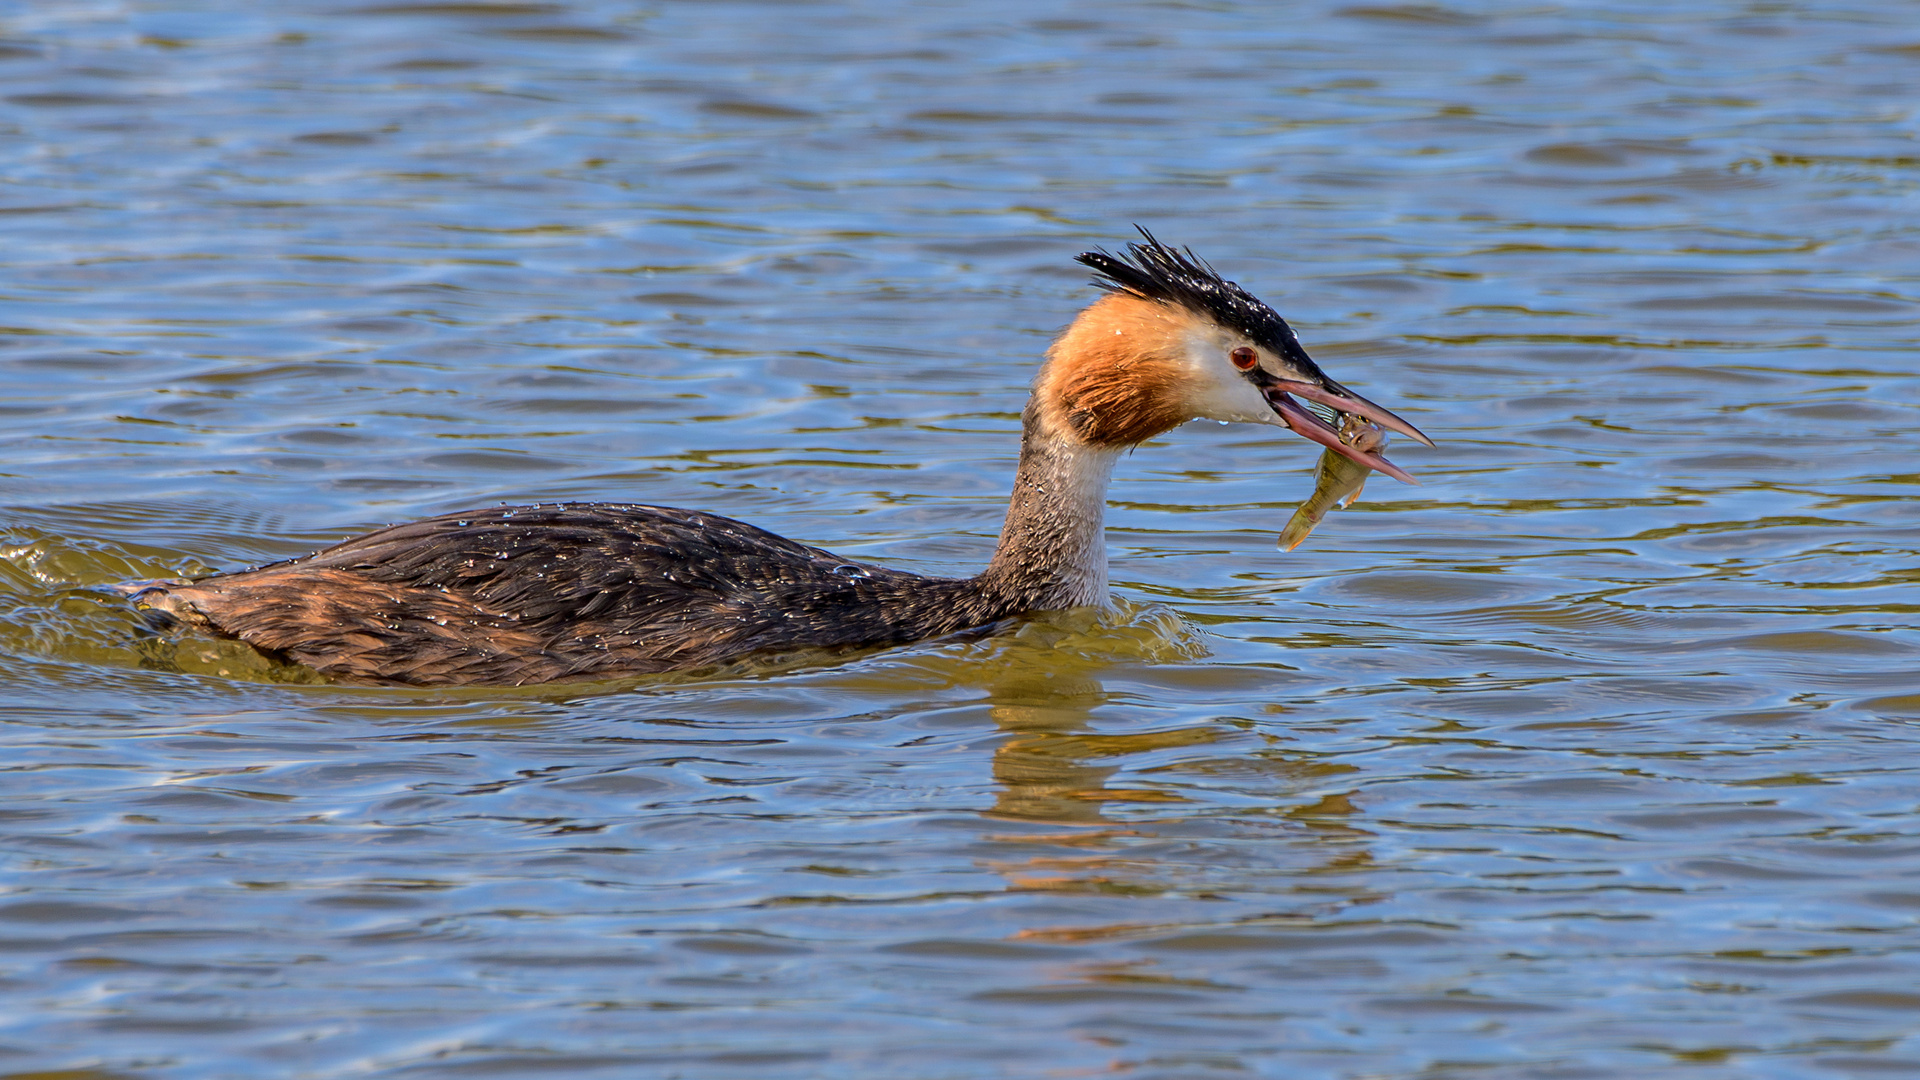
(1244, 358)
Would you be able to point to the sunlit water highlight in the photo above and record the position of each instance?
(1586, 758)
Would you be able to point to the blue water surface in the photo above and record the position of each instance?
(1587, 757)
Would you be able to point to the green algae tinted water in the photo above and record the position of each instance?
(1594, 755)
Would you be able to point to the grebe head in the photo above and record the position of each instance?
(1172, 341)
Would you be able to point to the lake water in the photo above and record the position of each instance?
(1595, 755)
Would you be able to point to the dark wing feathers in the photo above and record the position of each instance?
(519, 594)
(558, 563)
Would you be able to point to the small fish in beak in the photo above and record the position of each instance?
(1342, 473)
(1280, 393)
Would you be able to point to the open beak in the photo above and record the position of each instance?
(1339, 398)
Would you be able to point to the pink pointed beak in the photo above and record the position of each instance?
(1309, 426)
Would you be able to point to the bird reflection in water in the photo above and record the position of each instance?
(1046, 769)
(1053, 768)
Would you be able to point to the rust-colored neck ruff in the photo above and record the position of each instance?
(1115, 377)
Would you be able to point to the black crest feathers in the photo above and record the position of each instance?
(1154, 271)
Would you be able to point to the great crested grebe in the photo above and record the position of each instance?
(529, 594)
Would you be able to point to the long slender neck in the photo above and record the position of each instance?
(1053, 548)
